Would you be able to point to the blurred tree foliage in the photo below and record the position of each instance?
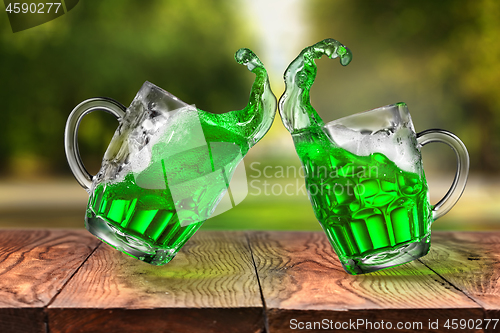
(109, 48)
(442, 55)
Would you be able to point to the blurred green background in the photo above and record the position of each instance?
(440, 57)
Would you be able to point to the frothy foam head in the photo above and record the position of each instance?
(387, 130)
(154, 116)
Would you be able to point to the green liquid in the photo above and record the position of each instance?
(365, 204)
(150, 217)
(374, 214)
(147, 214)
(151, 211)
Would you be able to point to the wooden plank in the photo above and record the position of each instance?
(470, 262)
(211, 285)
(302, 279)
(34, 266)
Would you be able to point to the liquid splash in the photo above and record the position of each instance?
(374, 214)
(256, 118)
(295, 106)
(169, 165)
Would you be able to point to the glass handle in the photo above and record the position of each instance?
(458, 186)
(71, 134)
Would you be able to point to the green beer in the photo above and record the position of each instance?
(134, 212)
(168, 165)
(149, 218)
(366, 204)
(375, 214)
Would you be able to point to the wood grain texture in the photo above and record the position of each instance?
(470, 262)
(301, 278)
(211, 286)
(34, 266)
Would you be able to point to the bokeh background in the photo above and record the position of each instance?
(440, 57)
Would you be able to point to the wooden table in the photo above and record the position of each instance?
(67, 281)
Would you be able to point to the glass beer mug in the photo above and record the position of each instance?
(364, 172)
(167, 166)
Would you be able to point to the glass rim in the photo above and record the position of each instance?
(339, 121)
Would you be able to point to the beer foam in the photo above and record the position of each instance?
(387, 130)
(397, 144)
(165, 135)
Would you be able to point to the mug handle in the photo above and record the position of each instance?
(458, 185)
(71, 134)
